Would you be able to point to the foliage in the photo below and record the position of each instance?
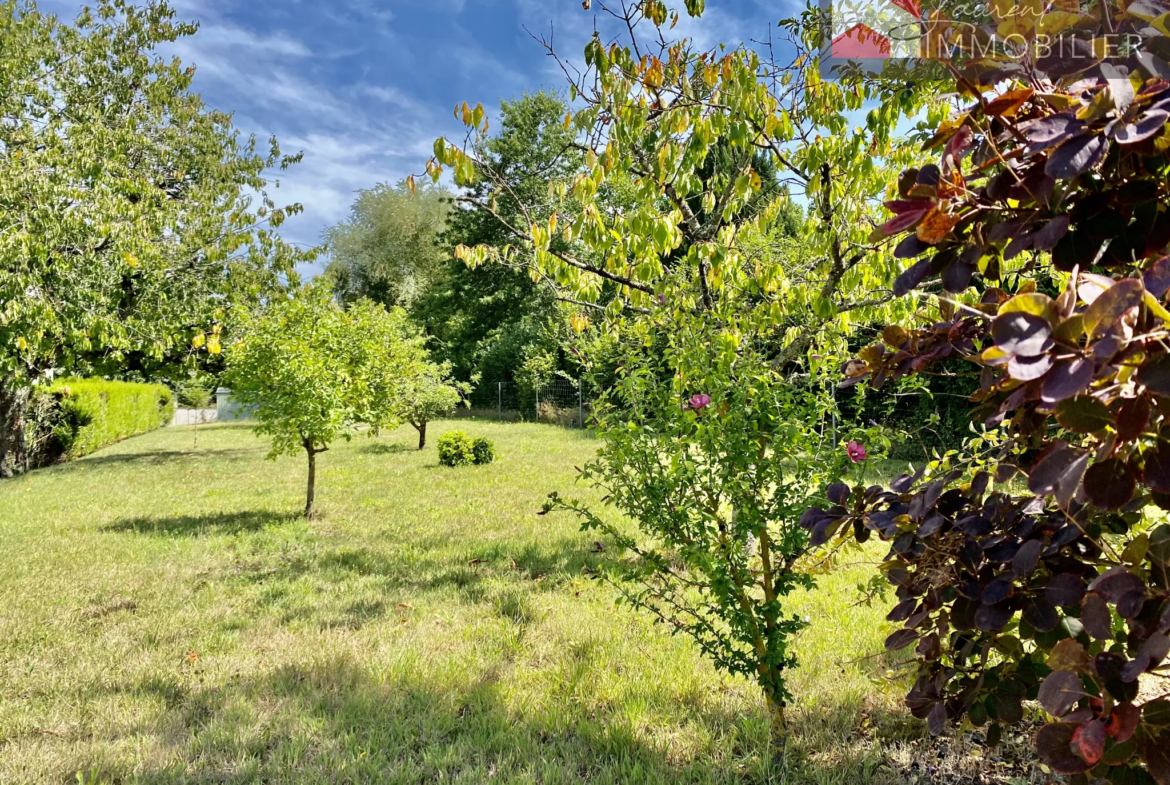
(315, 371)
(1060, 591)
(484, 321)
(131, 216)
(456, 448)
(482, 450)
(715, 454)
(388, 249)
(94, 413)
(429, 394)
(678, 230)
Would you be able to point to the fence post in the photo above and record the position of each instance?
(581, 402)
(500, 401)
(536, 392)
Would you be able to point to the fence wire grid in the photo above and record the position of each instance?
(559, 401)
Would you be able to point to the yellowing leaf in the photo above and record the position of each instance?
(935, 226)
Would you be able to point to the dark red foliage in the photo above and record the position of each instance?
(1052, 589)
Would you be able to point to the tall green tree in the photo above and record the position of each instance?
(388, 248)
(314, 371)
(485, 320)
(132, 217)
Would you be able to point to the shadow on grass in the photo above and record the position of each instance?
(336, 720)
(384, 448)
(157, 457)
(202, 525)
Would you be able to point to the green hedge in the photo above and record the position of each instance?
(97, 412)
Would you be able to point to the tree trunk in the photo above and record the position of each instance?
(422, 434)
(13, 403)
(778, 730)
(309, 497)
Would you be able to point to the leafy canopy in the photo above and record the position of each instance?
(1046, 221)
(315, 371)
(131, 216)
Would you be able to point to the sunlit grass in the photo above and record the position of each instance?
(166, 618)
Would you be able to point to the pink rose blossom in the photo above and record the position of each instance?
(856, 451)
(699, 401)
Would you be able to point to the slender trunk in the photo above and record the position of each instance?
(778, 729)
(13, 403)
(312, 481)
(422, 433)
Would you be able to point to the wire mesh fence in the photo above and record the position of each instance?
(559, 401)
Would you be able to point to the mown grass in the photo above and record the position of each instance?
(165, 617)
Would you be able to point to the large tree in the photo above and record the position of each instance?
(486, 320)
(388, 248)
(131, 216)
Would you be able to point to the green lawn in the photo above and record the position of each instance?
(165, 617)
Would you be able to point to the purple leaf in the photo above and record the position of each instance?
(1060, 690)
(1076, 155)
(1066, 379)
(1151, 123)
(1058, 473)
(1022, 334)
(908, 281)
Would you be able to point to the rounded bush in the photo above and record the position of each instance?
(456, 449)
(483, 451)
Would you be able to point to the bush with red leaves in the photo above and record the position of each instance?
(1039, 572)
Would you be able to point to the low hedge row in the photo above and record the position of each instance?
(93, 413)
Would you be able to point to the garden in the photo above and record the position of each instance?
(862, 482)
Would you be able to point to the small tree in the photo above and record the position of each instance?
(314, 372)
(429, 395)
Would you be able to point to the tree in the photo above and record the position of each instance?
(483, 320)
(314, 371)
(675, 235)
(132, 218)
(388, 249)
(1034, 563)
(429, 395)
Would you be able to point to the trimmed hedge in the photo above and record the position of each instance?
(96, 412)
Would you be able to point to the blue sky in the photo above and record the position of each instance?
(364, 87)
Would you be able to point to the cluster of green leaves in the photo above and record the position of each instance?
(456, 448)
(1060, 593)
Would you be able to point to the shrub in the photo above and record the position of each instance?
(94, 413)
(483, 451)
(456, 449)
(1056, 588)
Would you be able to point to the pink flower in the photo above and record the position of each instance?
(699, 401)
(856, 451)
